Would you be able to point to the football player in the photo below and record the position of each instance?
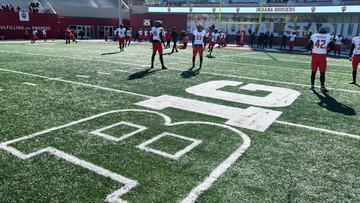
(34, 36)
(199, 42)
(214, 38)
(121, 36)
(320, 45)
(338, 44)
(128, 36)
(292, 41)
(156, 37)
(354, 56)
(44, 32)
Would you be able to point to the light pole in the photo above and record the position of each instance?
(120, 12)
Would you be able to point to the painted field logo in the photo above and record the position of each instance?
(149, 156)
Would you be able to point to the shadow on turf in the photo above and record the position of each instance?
(190, 73)
(111, 53)
(141, 74)
(331, 104)
(270, 56)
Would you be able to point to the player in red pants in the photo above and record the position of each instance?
(354, 56)
(214, 37)
(156, 37)
(320, 44)
(121, 37)
(198, 42)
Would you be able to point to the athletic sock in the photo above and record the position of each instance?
(313, 74)
(354, 73)
(152, 60)
(201, 61)
(162, 61)
(322, 79)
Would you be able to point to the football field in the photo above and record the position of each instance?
(85, 123)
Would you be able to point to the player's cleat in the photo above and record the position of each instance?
(164, 68)
(353, 83)
(312, 87)
(323, 90)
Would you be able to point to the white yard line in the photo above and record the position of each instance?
(357, 137)
(123, 71)
(76, 83)
(28, 83)
(182, 70)
(103, 73)
(149, 97)
(82, 76)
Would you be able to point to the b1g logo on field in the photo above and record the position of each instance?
(153, 158)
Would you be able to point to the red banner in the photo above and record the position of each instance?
(12, 28)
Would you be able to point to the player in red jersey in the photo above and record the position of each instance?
(156, 37)
(199, 42)
(354, 56)
(320, 45)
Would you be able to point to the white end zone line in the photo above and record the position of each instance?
(149, 97)
(182, 70)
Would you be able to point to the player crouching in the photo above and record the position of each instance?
(354, 56)
(320, 44)
(156, 37)
(199, 42)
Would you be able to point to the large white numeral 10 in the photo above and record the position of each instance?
(253, 118)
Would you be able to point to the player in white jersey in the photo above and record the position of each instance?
(44, 32)
(199, 42)
(146, 35)
(320, 45)
(156, 37)
(338, 44)
(128, 36)
(121, 32)
(213, 40)
(354, 56)
(292, 40)
(34, 36)
(140, 35)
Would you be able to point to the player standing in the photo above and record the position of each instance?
(128, 36)
(156, 37)
(141, 36)
(199, 42)
(354, 56)
(338, 45)
(214, 38)
(146, 35)
(121, 36)
(292, 41)
(44, 34)
(319, 44)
